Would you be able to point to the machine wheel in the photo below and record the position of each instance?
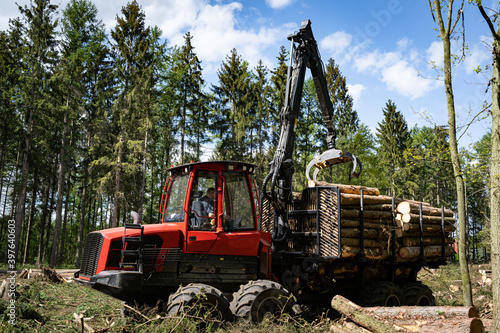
(419, 294)
(256, 299)
(200, 300)
(381, 293)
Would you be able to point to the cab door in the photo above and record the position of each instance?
(238, 234)
(202, 212)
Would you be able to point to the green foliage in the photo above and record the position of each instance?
(134, 107)
(393, 139)
(233, 98)
(476, 171)
(427, 169)
(346, 118)
(191, 110)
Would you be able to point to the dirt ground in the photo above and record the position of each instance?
(46, 306)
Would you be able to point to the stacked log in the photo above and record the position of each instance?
(442, 319)
(409, 223)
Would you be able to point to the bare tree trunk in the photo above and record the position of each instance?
(115, 218)
(49, 225)
(495, 189)
(60, 256)
(143, 181)
(21, 200)
(445, 33)
(60, 190)
(43, 219)
(495, 171)
(83, 203)
(30, 219)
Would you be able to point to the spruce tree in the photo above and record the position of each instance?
(191, 106)
(79, 25)
(36, 56)
(278, 91)
(346, 118)
(393, 139)
(234, 96)
(133, 58)
(262, 124)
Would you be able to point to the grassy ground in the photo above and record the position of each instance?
(44, 306)
(51, 307)
(446, 285)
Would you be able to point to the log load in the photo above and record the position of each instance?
(352, 189)
(389, 224)
(407, 207)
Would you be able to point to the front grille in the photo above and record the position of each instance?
(91, 253)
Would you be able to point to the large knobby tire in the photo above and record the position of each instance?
(418, 294)
(381, 293)
(258, 299)
(200, 300)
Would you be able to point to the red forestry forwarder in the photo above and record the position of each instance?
(247, 256)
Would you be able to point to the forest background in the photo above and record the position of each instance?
(91, 121)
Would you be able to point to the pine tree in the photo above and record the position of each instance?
(309, 132)
(346, 122)
(278, 91)
(346, 118)
(261, 124)
(234, 96)
(393, 139)
(79, 25)
(133, 58)
(191, 108)
(36, 56)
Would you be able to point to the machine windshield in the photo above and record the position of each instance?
(175, 205)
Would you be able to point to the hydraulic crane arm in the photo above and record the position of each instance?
(304, 53)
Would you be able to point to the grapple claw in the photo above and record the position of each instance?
(330, 158)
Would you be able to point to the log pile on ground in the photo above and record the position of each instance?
(408, 222)
(444, 319)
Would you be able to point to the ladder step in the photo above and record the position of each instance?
(131, 239)
(134, 264)
(133, 226)
(130, 252)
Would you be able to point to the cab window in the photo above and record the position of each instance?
(238, 213)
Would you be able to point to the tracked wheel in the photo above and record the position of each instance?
(381, 293)
(258, 299)
(418, 294)
(200, 300)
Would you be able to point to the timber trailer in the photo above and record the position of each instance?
(253, 252)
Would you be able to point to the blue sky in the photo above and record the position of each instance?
(385, 49)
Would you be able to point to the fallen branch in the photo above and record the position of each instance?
(136, 311)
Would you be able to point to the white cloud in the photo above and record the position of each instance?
(337, 44)
(478, 55)
(216, 29)
(277, 4)
(355, 91)
(435, 54)
(404, 78)
(375, 61)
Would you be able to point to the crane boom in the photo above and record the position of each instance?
(304, 53)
